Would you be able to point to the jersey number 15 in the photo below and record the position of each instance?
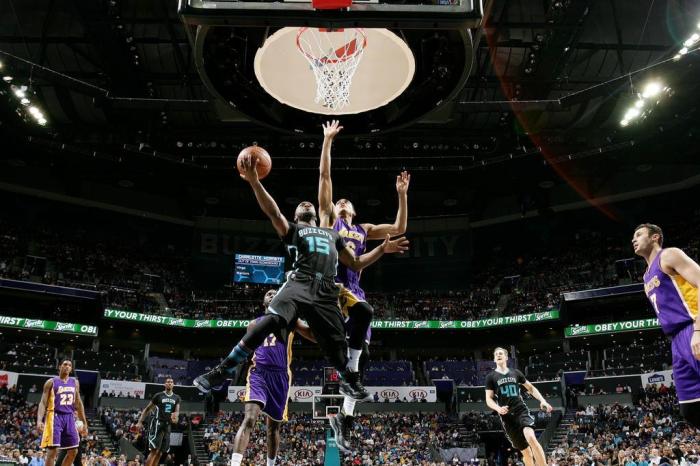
(319, 245)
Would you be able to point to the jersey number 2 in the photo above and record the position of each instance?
(319, 245)
(509, 390)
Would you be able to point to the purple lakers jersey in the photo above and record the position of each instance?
(673, 298)
(63, 394)
(274, 354)
(356, 238)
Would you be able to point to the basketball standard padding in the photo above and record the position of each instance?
(264, 161)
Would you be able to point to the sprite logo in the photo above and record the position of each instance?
(421, 324)
(201, 323)
(180, 322)
(63, 327)
(580, 330)
(447, 324)
(33, 323)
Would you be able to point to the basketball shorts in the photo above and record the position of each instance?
(686, 369)
(513, 424)
(159, 435)
(347, 300)
(269, 388)
(60, 431)
(315, 301)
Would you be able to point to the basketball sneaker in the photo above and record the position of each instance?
(215, 378)
(341, 428)
(351, 386)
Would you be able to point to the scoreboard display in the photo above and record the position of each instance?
(258, 269)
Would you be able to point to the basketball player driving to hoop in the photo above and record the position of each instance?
(357, 311)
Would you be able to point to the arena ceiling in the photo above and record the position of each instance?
(539, 113)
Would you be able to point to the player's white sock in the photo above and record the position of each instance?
(348, 406)
(271, 461)
(236, 459)
(354, 359)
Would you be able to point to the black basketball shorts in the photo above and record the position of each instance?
(513, 424)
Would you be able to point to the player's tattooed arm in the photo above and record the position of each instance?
(544, 406)
(265, 201)
(357, 263)
(80, 409)
(144, 413)
(303, 329)
(326, 210)
(491, 403)
(399, 225)
(41, 410)
(675, 261)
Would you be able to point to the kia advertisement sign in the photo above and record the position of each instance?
(302, 394)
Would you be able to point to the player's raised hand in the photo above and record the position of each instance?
(331, 129)
(250, 172)
(695, 344)
(402, 182)
(544, 406)
(397, 245)
(502, 410)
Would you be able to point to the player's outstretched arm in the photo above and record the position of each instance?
(357, 263)
(80, 409)
(538, 396)
(265, 201)
(399, 225)
(326, 212)
(144, 413)
(679, 262)
(41, 410)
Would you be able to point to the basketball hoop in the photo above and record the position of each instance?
(333, 56)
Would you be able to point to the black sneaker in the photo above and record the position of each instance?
(351, 386)
(212, 379)
(342, 438)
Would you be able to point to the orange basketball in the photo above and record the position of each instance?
(264, 161)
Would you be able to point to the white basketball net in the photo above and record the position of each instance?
(333, 57)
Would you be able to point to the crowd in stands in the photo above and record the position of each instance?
(152, 276)
(378, 439)
(649, 433)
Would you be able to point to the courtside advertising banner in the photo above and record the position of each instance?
(305, 394)
(126, 388)
(8, 379)
(657, 378)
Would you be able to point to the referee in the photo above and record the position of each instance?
(503, 396)
(167, 410)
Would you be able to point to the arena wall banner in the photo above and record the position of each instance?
(304, 394)
(8, 379)
(48, 325)
(133, 389)
(611, 327)
(658, 377)
(377, 324)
